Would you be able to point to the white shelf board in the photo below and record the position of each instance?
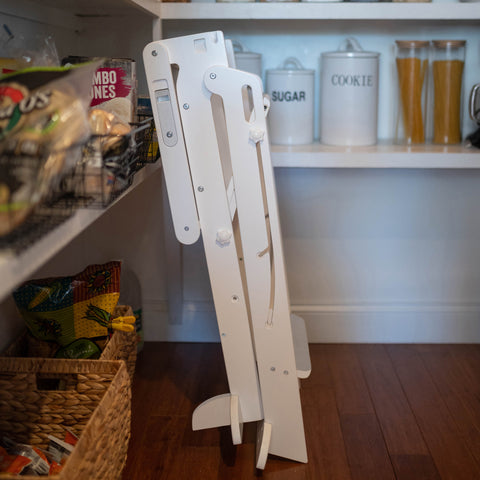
(313, 10)
(37, 11)
(382, 155)
(14, 269)
(68, 13)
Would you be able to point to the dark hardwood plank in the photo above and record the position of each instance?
(350, 388)
(327, 458)
(325, 446)
(155, 452)
(449, 451)
(364, 444)
(467, 358)
(399, 426)
(366, 451)
(415, 467)
(460, 392)
(370, 412)
(168, 378)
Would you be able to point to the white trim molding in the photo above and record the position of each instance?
(342, 323)
(392, 323)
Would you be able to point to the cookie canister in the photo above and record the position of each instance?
(291, 91)
(349, 95)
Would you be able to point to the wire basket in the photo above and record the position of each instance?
(101, 169)
(33, 198)
(109, 164)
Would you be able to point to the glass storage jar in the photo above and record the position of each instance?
(448, 59)
(412, 71)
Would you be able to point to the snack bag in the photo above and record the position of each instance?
(74, 312)
(14, 464)
(22, 459)
(114, 86)
(43, 126)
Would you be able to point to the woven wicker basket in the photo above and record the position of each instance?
(94, 401)
(121, 346)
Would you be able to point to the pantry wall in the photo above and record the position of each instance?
(372, 254)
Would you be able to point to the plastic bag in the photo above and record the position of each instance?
(36, 50)
(43, 126)
(72, 313)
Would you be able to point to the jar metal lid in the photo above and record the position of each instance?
(448, 43)
(412, 43)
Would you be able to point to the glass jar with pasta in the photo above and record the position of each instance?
(412, 71)
(448, 59)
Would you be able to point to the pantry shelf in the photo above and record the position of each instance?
(312, 11)
(382, 155)
(15, 268)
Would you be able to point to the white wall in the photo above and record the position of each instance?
(394, 255)
(372, 256)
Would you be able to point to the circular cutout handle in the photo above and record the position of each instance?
(292, 61)
(238, 47)
(350, 44)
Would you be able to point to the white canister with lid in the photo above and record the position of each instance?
(290, 88)
(349, 95)
(245, 60)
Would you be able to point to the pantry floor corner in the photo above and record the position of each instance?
(371, 411)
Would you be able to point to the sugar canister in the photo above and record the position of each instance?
(291, 90)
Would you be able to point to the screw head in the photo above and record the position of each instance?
(154, 53)
(186, 106)
(272, 369)
(285, 372)
(169, 134)
(186, 228)
(200, 189)
(213, 76)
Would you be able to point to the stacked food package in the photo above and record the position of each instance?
(66, 127)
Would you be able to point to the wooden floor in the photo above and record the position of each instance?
(383, 412)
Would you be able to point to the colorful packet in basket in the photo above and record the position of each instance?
(73, 312)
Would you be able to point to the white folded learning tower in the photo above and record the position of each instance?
(211, 125)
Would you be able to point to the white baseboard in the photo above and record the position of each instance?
(412, 323)
(369, 323)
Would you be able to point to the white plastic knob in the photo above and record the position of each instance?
(223, 236)
(256, 134)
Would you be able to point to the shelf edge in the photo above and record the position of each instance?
(317, 11)
(14, 269)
